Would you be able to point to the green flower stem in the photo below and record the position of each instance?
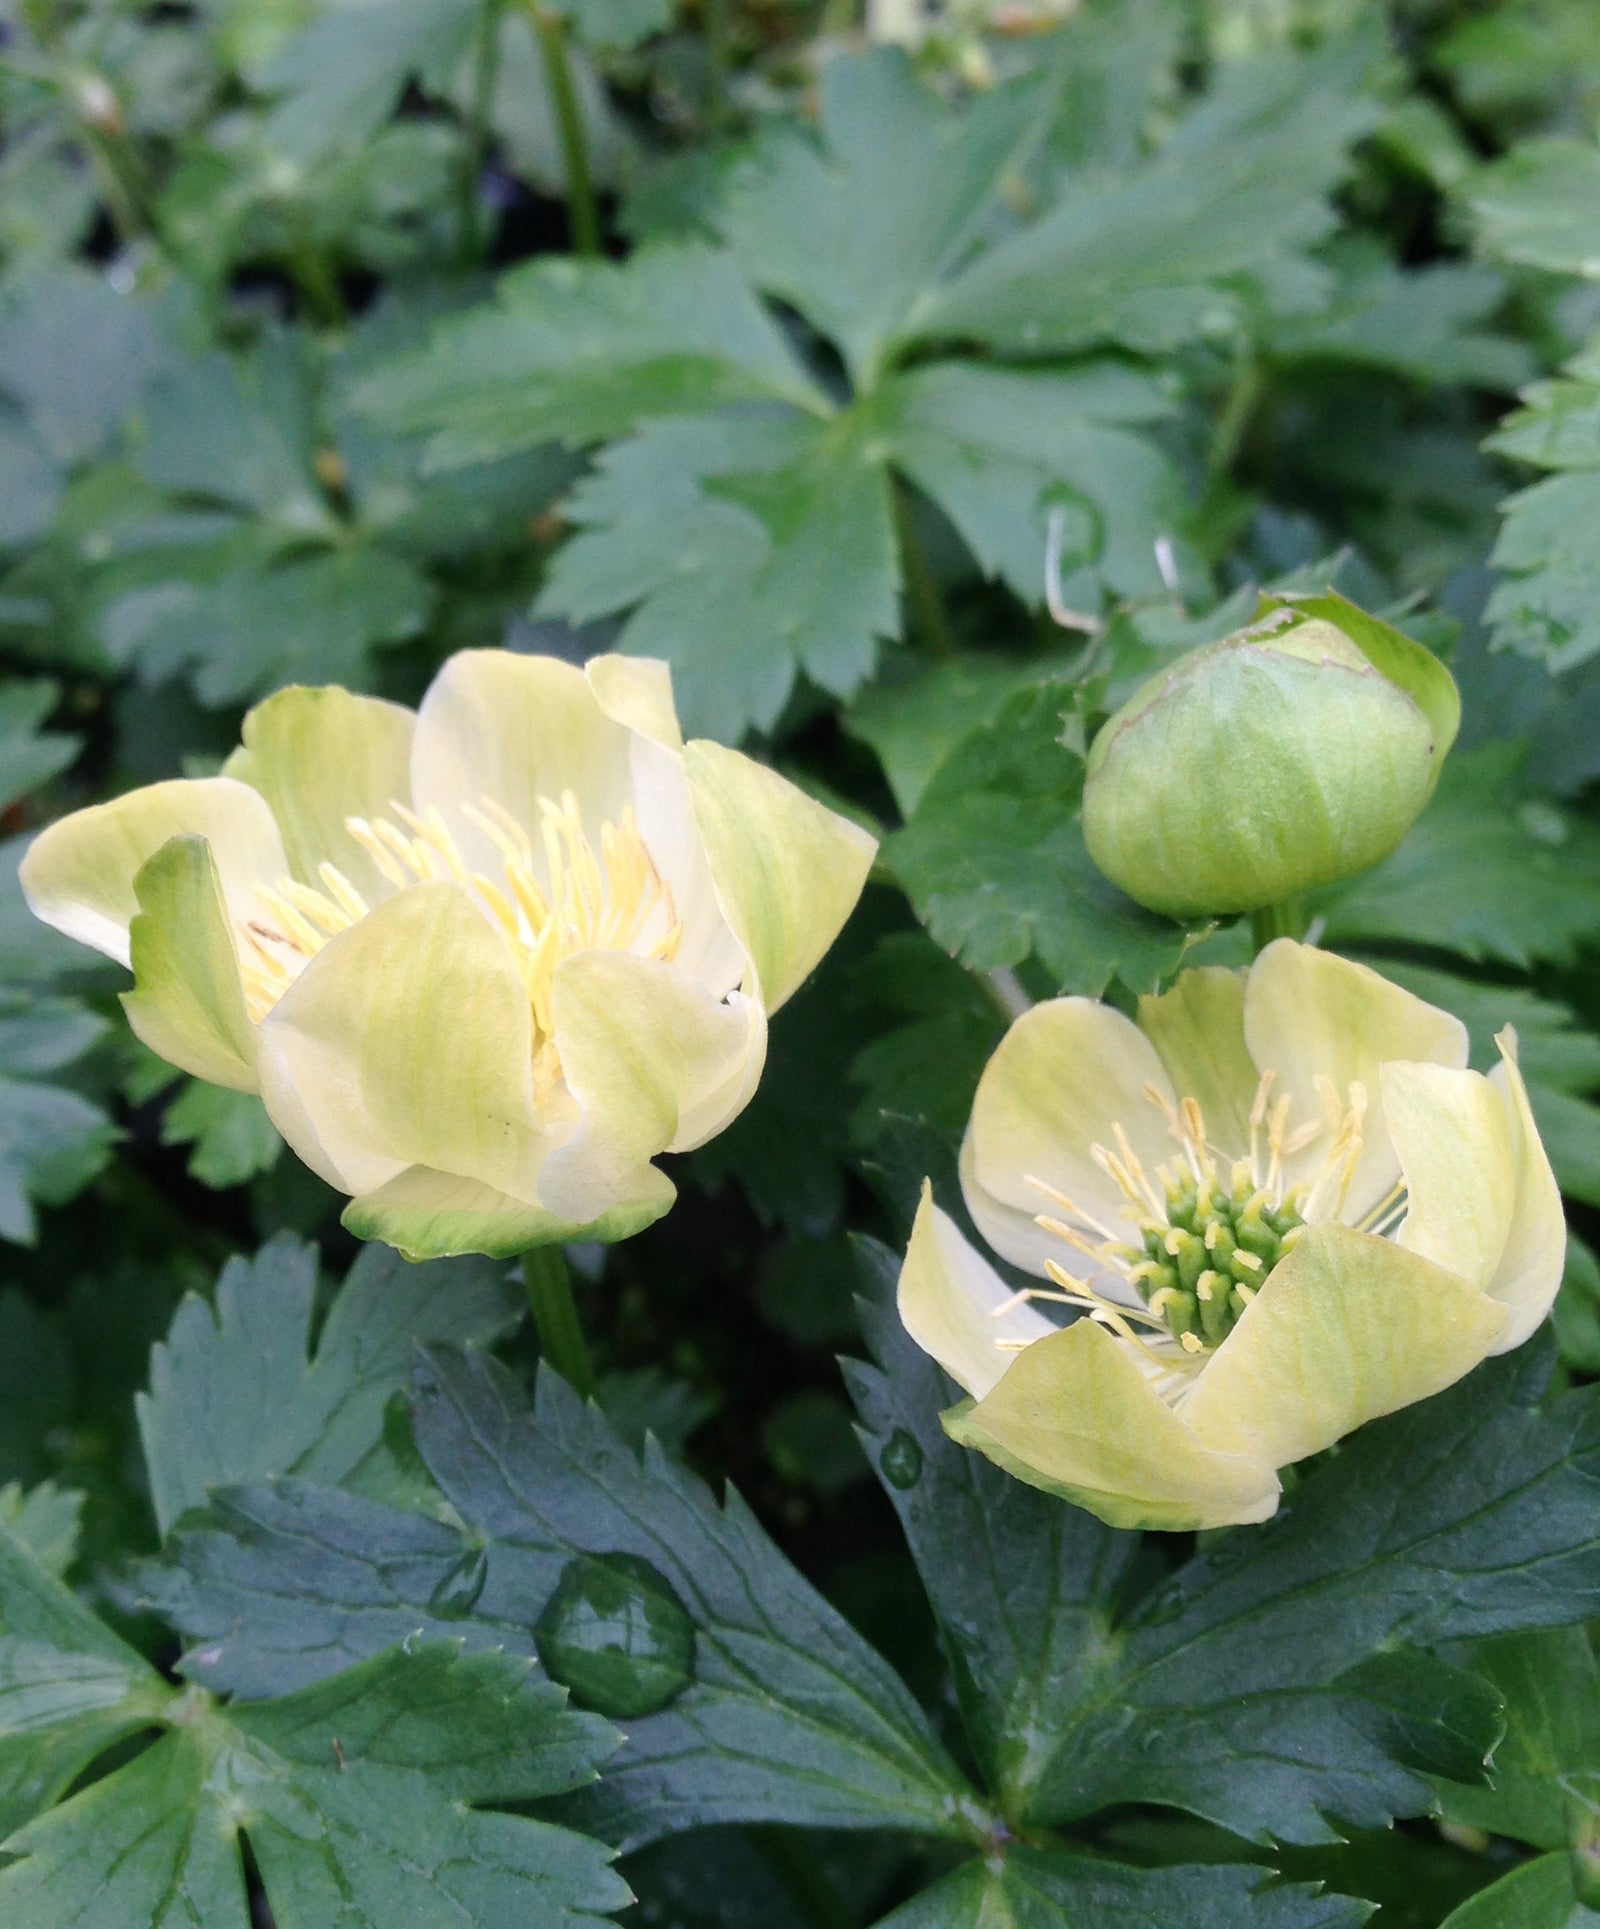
(1290, 919)
(581, 211)
(717, 24)
(555, 1315)
(922, 592)
(1233, 423)
(475, 133)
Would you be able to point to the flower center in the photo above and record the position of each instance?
(611, 900)
(1206, 1230)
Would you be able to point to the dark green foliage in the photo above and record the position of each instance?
(919, 402)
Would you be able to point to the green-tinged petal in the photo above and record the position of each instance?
(1309, 1015)
(514, 729)
(319, 756)
(432, 1215)
(1061, 1081)
(187, 1003)
(1198, 1028)
(1536, 1244)
(1077, 1416)
(78, 874)
(407, 1040)
(637, 691)
(1348, 1327)
(949, 1297)
(652, 1064)
(788, 870)
(708, 951)
(1452, 1131)
(1406, 663)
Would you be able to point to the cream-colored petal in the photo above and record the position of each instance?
(1530, 1268)
(788, 870)
(515, 729)
(407, 1040)
(1452, 1132)
(1062, 1079)
(1198, 1028)
(1077, 1416)
(320, 756)
(1347, 1327)
(637, 691)
(187, 1003)
(431, 1215)
(708, 952)
(1309, 1015)
(78, 873)
(949, 1297)
(652, 1064)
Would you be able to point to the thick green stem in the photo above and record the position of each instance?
(121, 184)
(475, 134)
(1234, 421)
(717, 64)
(922, 592)
(1290, 919)
(555, 1315)
(582, 215)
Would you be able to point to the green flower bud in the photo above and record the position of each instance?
(1292, 754)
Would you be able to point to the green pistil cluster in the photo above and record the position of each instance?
(1200, 1269)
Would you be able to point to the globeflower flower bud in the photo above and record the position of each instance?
(1294, 753)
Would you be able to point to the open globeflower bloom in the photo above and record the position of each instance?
(1281, 1205)
(482, 962)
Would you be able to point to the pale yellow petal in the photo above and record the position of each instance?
(652, 1063)
(515, 729)
(407, 1040)
(1061, 1081)
(950, 1299)
(1198, 1028)
(1311, 1016)
(1530, 1268)
(78, 874)
(320, 756)
(432, 1215)
(1452, 1132)
(637, 691)
(708, 951)
(1077, 1416)
(1347, 1327)
(187, 1003)
(788, 871)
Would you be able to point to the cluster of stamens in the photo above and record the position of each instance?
(611, 900)
(1202, 1244)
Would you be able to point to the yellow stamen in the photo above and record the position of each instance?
(614, 901)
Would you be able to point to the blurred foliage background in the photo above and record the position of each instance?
(782, 341)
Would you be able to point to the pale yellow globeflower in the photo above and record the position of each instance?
(1279, 1204)
(482, 962)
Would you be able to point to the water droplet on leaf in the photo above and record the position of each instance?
(457, 1594)
(901, 1459)
(616, 1635)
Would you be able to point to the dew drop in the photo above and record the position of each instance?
(457, 1593)
(901, 1459)
(616, 1635)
